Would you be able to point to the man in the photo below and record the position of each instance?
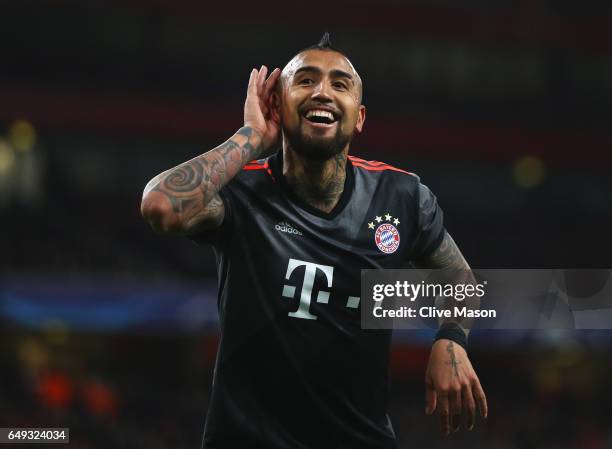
(291, 233)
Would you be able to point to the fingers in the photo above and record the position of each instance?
(455, 409)
(455, 405)
(261, 88)
(470, 408)
(271, 82)
(252, 88)
(261, 78)
(268, 93)
(444, 414)
(257, 79)
(481, 398)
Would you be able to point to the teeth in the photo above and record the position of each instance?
(319, 113)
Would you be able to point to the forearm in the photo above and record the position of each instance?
(178, 199)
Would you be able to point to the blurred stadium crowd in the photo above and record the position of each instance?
(502, 107)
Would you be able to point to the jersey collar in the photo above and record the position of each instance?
(276, 164)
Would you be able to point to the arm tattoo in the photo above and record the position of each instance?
(447, 256)
(453, 359)
(192, 187)
(453, 267)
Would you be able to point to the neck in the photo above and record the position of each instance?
(319, 183)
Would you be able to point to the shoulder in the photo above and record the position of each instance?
(377, 166)
(258, 166)
(255, 172)
(400, 180)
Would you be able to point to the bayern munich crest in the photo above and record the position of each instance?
(386, 236)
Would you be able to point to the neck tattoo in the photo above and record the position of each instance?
(320, 186)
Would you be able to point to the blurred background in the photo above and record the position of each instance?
(502, 107)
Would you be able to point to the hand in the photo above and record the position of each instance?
(259, 112)
(452, 387)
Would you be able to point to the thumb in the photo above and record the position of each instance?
(431, 398)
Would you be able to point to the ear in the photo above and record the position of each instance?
(360, 119)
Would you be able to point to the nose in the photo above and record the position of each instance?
(322, 92)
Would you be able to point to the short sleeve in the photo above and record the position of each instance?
(430, 219)
(219, 236)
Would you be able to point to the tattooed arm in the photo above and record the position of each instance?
(453, 267)
(452, 387)
(185, 199)
(447, 256)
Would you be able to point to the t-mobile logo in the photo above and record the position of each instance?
(310, 272)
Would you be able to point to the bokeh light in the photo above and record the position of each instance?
(22, 135)
(56, 331)
(7, 157)
(529, 172)
(32, 355)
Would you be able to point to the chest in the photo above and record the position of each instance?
(313, 262)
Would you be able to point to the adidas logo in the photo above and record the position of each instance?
(283, 226)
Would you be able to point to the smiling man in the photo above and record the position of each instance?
(291, 233)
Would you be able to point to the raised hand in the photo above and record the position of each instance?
(259, 112)
(452, 388)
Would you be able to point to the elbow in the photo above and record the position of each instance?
(157, 210)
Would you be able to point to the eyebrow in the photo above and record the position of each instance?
(335, 73)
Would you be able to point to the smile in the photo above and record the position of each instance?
(320, 117)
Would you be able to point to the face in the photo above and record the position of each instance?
(320, 103)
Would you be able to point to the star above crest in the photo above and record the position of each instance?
(387, 217)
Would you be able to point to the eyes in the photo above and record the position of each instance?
(337, 84)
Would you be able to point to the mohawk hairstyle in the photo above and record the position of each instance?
(325, 41)
(324, 44)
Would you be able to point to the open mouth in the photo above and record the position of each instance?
(320, 117)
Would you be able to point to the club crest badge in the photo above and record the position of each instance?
(386, 235)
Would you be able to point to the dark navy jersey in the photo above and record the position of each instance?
(294, 368)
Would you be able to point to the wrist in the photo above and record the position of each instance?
(254, 141)
(454, 333)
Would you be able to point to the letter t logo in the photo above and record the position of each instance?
(310, 272)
